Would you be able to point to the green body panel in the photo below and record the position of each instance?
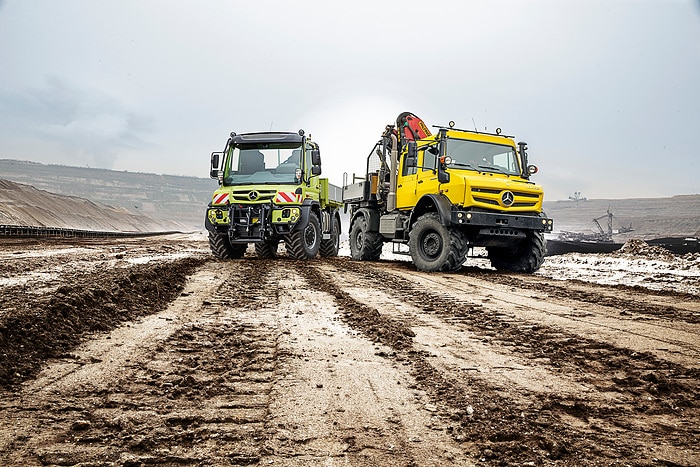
(269, 187)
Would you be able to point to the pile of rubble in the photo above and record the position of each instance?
(638, 247)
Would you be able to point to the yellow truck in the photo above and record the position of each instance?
(270, 190)
(444, 193)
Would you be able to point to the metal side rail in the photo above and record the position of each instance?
(37, 231)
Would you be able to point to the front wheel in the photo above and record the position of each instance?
(222, 248)
(305, 243)
(527, 256)
(434, 246)
(364, 245)
(267, 249)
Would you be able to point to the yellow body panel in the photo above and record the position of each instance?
(468, 188)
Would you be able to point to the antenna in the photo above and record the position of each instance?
(271, 123)
(485, 127)
(474, 123)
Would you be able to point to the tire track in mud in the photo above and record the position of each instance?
(655, 388)
(48, 326)
(218, 372)
(338, 400)
(198, 397)
(680, 341)
(478, 316)
(503, 436)
(621, 297)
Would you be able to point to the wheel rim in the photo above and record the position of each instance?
(431, 245)
(310, 236)
(358, 238)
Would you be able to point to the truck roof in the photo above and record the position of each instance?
(267, 136)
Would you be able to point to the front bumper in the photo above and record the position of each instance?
(502, 222)
(250, 223)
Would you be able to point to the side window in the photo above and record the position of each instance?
(307, 157)
(429, 160)
(407, 170)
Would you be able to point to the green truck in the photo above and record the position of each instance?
(270, 190)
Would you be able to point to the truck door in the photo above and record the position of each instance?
(414, 182)
(426, 178)
(406, 185)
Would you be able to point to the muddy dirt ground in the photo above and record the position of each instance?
(150, 352)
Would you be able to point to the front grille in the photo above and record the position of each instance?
(244, 195)
(522, 194)
(523, 205)
(486, 201)
(486, 190)
(492, 197)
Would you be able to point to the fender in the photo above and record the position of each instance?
(307, 206)
(433, 203)
(371, 217)
(334, 214)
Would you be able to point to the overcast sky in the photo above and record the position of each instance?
(605, 92)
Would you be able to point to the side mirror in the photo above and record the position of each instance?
(315, 157)
(443, 175)
(316, 170)
(214, 167)
(522, 149)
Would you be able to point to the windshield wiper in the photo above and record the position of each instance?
(468, 166)
(493, 168)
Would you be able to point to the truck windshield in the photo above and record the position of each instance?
(263, 163)
(482, 156)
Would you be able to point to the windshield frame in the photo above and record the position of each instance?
(264, 163)
(482, 156)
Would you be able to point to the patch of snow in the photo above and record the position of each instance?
(150, 258)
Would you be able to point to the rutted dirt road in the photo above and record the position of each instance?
(150, 352)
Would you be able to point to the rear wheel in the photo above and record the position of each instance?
(305, 243)
(434, 246)
(331, 246)
(222, 248)
(267, 249)
(364, 245)
(527, 256)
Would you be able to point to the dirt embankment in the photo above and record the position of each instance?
(149, 352)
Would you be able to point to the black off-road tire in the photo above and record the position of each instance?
(223, 249)
(266, 249)
(434, 246)
(527, 256)
(305, 243)
(331, 246)
(364, 245)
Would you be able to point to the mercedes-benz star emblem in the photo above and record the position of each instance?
(253, 195)
(507, 198)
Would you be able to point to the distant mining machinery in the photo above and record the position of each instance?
(607, 235)
(603, 235)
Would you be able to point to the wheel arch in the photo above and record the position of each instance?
(371, 217)
(307, 207)
(438, 203)
(336, 215)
